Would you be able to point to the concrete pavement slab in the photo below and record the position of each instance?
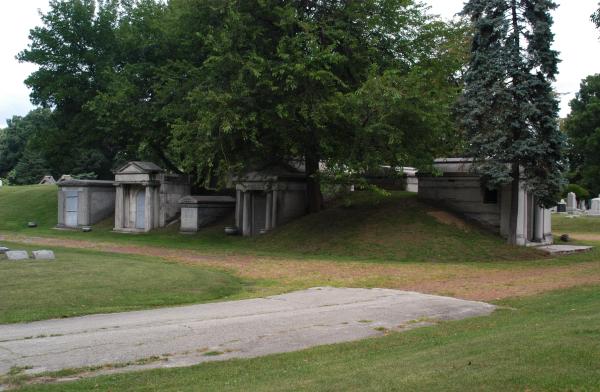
(188, 335)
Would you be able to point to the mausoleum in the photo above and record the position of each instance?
(460, 189)
(200, 211)
(268, 198)
(84, 202)
(147, 197)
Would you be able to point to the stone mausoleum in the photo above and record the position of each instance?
(268, 198)
(84, 202)
(461, 190)
(147, 197)
(200, 211)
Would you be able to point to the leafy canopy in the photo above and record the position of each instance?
(583, 127)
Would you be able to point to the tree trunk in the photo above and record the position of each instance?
(313, 186)
(514, 204)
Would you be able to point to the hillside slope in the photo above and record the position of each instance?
(362, 226)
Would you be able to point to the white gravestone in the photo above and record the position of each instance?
(571, 203)
(582, 205)
(17, 255)
(595, 210)
(3, 250)
(43, 255)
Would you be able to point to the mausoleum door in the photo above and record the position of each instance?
(71, 208)
(259, 205)
(140, 209)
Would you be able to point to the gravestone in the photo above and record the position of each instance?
(561, 207)
(595, 209)
(17, 255)
(3, 250)
(43, 255)
(571, 202)
(582, 205)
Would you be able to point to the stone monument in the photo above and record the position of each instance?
(571, 203)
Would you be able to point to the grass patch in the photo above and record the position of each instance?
(364, 226)
(83, 282)
(548, 342)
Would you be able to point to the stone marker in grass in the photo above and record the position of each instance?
(3, 250)
(43, 255)
(17, 255)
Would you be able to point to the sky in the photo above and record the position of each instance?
(576, 39)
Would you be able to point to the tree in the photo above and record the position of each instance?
(508, 107)
(18, 134)
(348, 84)
(583, 127)
(32, 167)
(596, 17)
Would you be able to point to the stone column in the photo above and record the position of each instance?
(521, 233)
(538, 222)
(148, 210)
(274, 210)
(547, 226)
(247, 214)
(119, 204)
(269, 208)
(239, 208)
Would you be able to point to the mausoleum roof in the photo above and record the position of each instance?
(140, 167)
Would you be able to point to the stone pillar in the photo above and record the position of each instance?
(274, 210)
(148, 209)
(538, 221)
(239, 208)
(548, 226)
(269, 210)
(521, 233)
(119, 205)
(571, 203)
(247, 214)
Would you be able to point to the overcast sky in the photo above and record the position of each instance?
(576, 39)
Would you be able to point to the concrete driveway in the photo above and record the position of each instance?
(189, 335)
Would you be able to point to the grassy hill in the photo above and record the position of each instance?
(362, 226)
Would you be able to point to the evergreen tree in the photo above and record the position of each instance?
(596, 17)
(508, 107)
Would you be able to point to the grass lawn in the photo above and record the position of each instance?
(82, 282)
(584, 226)
(547, 342)
(364, 226)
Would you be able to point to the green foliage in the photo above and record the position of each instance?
(508, 107)
(18, 136)
(32, 167)
(579, 191)
(210, 87)
(583, 127)
(596, 17)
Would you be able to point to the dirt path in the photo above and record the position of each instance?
(469, 281)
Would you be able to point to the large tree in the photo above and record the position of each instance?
(596, 17)
(583, 127)
(21, 134)
(508, 107)
(351, 84)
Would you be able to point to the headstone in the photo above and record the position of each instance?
(571, 202)
(32, 224)
(1, 184)
(595, 209)
(17, 255)
(3, 250)
(86, 229)
(561, 207)
(582, 205)
(43, 255)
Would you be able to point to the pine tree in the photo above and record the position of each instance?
(508, 107)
